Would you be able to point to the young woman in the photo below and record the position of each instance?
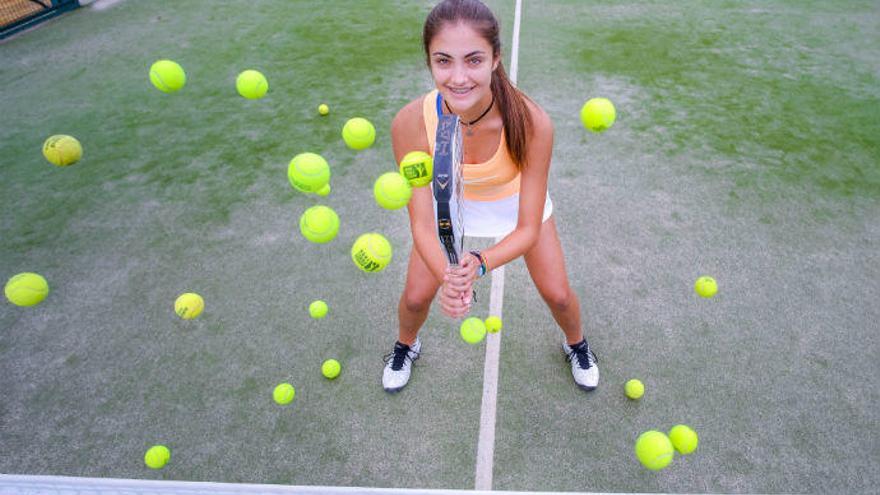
(507, 145)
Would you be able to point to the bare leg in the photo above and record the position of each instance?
(547, 267)
(415, 302)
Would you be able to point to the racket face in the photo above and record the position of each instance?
(447, 186)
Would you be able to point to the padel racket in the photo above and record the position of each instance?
(447, 185)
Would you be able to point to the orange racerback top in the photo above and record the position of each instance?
(491, 180)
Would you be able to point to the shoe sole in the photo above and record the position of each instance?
(586, 387)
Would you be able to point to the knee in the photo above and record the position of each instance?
(417, 301)
(558, 299)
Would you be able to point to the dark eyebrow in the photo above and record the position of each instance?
(469, 55)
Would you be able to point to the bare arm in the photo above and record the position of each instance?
(408, 134)
(532, 195)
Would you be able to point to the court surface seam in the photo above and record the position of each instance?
(486, 439)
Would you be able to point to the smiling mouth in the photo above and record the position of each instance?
(460, 91)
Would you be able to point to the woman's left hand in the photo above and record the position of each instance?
(467, 271)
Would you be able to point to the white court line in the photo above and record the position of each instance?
(486, 442)
(66, 485)
(514, 45)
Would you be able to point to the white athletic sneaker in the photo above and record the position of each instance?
(398, 365)
(583, 365)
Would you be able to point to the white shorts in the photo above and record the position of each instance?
(496, 218)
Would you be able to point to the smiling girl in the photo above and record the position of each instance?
(507, 147)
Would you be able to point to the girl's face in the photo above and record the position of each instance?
(461, 64)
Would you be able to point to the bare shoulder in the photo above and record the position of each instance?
(409, 114)
(540, 141)
(542, 126)
(408, 129)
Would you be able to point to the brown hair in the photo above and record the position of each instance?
(511, 102)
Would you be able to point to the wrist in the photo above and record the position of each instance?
(484, 267)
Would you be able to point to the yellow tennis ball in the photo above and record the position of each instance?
(331, 368)
(324, 191)
(318, 309)
(418, 168)
(168, 76)
(323, 109)
(358, 133)
(251, 84)
(706, 286)
(157, 456)
(634, 389)
(308, 172)
(371, 252)
(392, 191)
(683, 438)
(493, 324)
(319, 224)
(654, 450)
(598, 114)
(26, 289)
(62, 150)
(189, 305)
(472, 330)
(284, 393)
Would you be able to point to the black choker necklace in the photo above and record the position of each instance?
(469, 130)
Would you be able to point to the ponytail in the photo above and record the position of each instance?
(515, 115)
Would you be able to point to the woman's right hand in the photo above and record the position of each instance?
(453, 301)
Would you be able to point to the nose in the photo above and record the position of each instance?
(459, 75)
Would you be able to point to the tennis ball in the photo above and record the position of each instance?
(493, 324)
(26, 289)
(654, 450)
(598, 114)
(371, 252)
(392, 191)
(189, 305)
(706, 286)
(324, 191)
(323, 109)
(308, 172)
(167, 76)
(157, 456)
(418, 168)
(634, 389)
(251, 84)
(358, 133)
(472, 330)
(331, 368)
(319, 224)
(62, 150)
(318, 309)
(684, 439)
(284, 393)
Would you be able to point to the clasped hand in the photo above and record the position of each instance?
(456, 293)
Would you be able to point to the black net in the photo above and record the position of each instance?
(18, 14)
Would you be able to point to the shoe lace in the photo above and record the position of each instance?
(398, 356)
(584, 355)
